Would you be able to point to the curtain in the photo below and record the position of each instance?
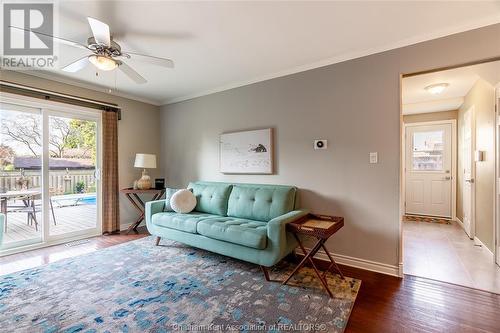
(109, 174)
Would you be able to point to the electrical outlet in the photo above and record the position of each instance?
(373, 158)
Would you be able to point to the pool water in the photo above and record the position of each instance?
(80, 199)
(89, 201)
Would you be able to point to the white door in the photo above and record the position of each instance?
(468, 174)
(429, 170)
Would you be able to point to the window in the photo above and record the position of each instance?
(428, 151)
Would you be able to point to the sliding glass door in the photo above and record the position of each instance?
(73, 168)
(21, 173)
(49, 173)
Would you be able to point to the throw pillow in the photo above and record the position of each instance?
(169, 192)
(183, 201)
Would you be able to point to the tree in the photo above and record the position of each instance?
(83, 137)
(60, 131)
(26, 130)
(6, 156)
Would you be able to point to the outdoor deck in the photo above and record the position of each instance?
(68, 219)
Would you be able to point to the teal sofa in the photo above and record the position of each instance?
(243, 221)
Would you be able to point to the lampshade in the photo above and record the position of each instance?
(147, 161)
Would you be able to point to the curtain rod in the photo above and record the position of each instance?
(58, 97)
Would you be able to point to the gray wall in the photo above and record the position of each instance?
(138, 131)
(354, 104)
(482, 97)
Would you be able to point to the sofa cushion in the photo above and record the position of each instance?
(169, 192)
(239, 231)
(211, 198)
(260, 202)
(182, 222)
(183, 201)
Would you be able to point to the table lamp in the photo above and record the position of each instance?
(145, 161)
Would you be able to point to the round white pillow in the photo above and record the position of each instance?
(183, 201)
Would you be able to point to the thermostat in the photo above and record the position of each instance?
(320, 144)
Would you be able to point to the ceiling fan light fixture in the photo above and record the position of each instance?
(102, 62)
(437, 88)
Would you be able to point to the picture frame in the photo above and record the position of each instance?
(247, 152)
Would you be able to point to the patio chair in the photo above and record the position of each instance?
(35, 207)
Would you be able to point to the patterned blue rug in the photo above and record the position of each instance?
(139, 287)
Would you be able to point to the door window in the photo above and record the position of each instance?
(428, 150)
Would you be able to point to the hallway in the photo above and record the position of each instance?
(444, 252)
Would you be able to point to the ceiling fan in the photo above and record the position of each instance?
(106, 53)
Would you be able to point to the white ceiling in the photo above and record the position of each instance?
(220, 45)
(417, 100)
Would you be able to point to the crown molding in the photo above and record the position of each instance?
(495, 19)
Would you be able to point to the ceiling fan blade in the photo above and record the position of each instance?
(152, 59)
(100, 30)
(131, 73)
(56, 39)
(77, 65)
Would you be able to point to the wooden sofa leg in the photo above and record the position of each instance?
(266, 273)
(157, 240)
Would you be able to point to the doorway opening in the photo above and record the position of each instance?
(450, 148)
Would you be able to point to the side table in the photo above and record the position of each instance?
(321, 227)
(133, 196)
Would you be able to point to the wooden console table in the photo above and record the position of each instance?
(133, 196)
(321, 227)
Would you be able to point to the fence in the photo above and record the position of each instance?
(60, 181)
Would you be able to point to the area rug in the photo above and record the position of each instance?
(139, 287)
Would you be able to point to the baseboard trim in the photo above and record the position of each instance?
(373, 266)
(460, 223)
(124, 226)
(478, 242)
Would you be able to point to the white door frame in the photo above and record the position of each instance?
(472, 110)
(453, 124)
(49, 108)
(496, 206)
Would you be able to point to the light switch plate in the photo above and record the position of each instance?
(373, 158)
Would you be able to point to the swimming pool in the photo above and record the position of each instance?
(91, 200)
(75, 199)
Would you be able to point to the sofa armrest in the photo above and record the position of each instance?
(153, 207)
(276, 228)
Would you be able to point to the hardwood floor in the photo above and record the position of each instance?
(20, 261)
(384, 303)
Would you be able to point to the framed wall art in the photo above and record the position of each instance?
(247, 152)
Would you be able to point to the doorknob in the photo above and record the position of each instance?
(470, 181)
(447, 178)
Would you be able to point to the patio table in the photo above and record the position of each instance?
(9, 195)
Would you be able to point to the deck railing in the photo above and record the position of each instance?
(60, 181)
